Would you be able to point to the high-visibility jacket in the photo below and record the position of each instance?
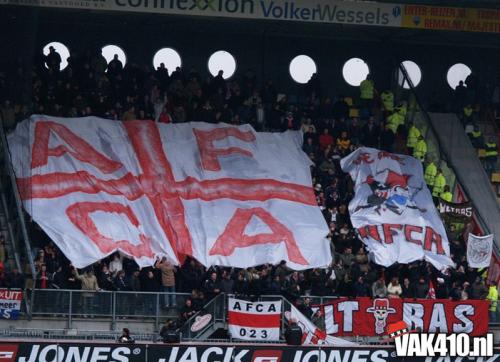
(413, 135)
(402, 110)
(430, 173)
(468, 111)
(447, 196)
(420, 150)
(493, 298)
(491, 149)
(476, 134)
(367, 89)
(394, 121)
(387, 100)
(483, 272)
(439, 184)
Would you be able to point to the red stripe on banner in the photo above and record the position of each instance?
(254, 320)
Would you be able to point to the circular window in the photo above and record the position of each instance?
(302, 67)
(58, 48)
(355, 71)
(413, 71)
(109, 51)
(222, 61)
(169, 57)
(456, 73)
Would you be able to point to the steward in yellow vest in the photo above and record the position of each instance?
(439, 184)
(476, 138)
(446, 195)
(490, 156)
(387, 98)
(413, 135)
(401, 109)
(430, 174)
(491, 149)
(367, 88)
(420, 149)
(468, 111)
(492, 297)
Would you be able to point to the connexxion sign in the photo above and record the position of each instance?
(321, 11)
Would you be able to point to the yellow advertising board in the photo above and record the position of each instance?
(451, 18)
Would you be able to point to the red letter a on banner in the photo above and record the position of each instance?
(233, 236)
(80, 149)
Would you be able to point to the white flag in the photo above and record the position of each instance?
(254, 321)
(312, 335)
(223, 194)
(479, 250)
(392, 209)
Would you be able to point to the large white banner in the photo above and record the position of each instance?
(254, 321)
(319, 11)
(392, 209)
(479, 250)
(226, 195)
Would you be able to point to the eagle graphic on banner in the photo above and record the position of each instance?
(390, 191)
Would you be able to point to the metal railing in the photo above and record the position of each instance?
(217, 310)
(114, 305)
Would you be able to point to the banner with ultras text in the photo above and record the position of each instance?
(223, 194)
(34, 351)
(370, 317)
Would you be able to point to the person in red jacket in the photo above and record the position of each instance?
(165, 116)
(325, 140)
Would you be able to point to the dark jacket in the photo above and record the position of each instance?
(15, 280)
(361, 290)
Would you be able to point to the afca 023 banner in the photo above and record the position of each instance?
(81, 352)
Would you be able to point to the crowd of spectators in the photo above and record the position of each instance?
(90, 86)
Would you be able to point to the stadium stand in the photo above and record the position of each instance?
(333, 125)
(86, 87)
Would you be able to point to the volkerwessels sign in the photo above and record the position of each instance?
(73, 352)
(320, 11)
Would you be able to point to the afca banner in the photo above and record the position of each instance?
(225, 195)
(370, 317)
(392, 209)
(10, 303)
(254, 321)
